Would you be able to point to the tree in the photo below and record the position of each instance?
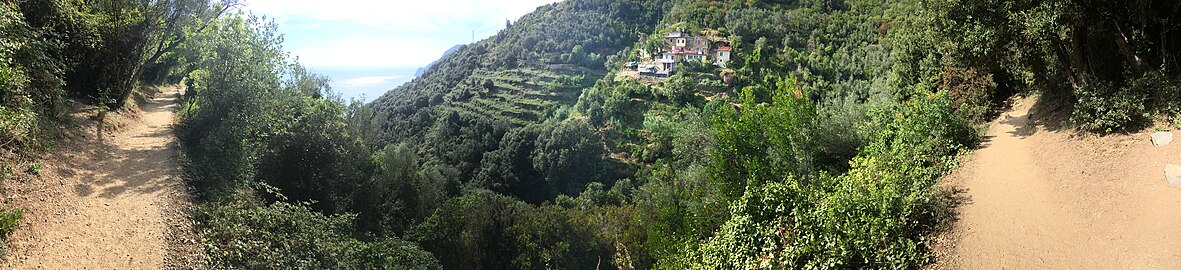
(568, 156)
(679, 88)
(509, 169)
(146, 30)
(764, 142)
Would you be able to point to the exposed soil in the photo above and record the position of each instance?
(1034, 197)
(108, 199)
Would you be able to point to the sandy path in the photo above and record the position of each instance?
(1037, 199)
(112, 203)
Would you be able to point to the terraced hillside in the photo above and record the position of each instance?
(519, 96)
(524, 75)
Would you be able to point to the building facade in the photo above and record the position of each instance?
(681, 47)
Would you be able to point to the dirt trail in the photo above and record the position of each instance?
(1042, 199)
(111, 202)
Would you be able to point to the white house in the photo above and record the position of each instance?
(723, 56)
(685, 47)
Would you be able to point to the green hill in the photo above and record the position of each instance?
(820, 145)
(523, 75)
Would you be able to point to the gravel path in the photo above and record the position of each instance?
(1044, 199)
(113, 201)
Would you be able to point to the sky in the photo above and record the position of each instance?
(370, 45)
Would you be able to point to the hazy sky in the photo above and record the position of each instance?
(385, 33)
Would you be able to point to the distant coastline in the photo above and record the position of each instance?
(366, 83)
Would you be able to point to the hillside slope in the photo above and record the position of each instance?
(523, 75)
(115, 201)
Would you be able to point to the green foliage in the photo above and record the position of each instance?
(225, 122)
(473, 113)
(482, 230)
(34, 168)
(676, 209)
(610, 100)
(1104, 107)
(678, 89)
(541, 161)
(971, 92)
(821, 151)
(295, 141)
(31, 85)
(245, 233)
(568, 156)
(766, 141)
(1108, 59)
(310, 159)
(698, 67)
(9, 220)
(398, 195)
(509, 169)
(875, 216)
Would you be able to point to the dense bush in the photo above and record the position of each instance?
(256, 140)
(1111, 60)
(970, 91)
(31, 85)
(482, 230)
(677, 89)
(246, 233)
(1104, 107)
(877, 215)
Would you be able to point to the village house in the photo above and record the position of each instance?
(723, 57)
(681, 47)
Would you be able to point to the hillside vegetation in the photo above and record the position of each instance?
(527, 151)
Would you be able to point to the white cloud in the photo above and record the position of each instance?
(367, 81)
(369, 33)
(369, 52)
(422, 16)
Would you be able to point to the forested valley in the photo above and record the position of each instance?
(819, 146)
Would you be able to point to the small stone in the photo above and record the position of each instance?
(1162, 138)
(1173, 175)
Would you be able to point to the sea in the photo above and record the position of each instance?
(365, 83)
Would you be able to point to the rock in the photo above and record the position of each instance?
(1173, 175)
(1162, 138)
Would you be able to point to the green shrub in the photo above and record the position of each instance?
(9, 220)
(246, 233)
(31, 92)
(484, 230)
(876, 216)
(970, 91)
(34, 169)
(698, 66)
(678, 89)
(712, 83)
(1104, 107)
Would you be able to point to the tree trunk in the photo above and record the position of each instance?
(1125, 49)
(1064, 57)
(1078, 46)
